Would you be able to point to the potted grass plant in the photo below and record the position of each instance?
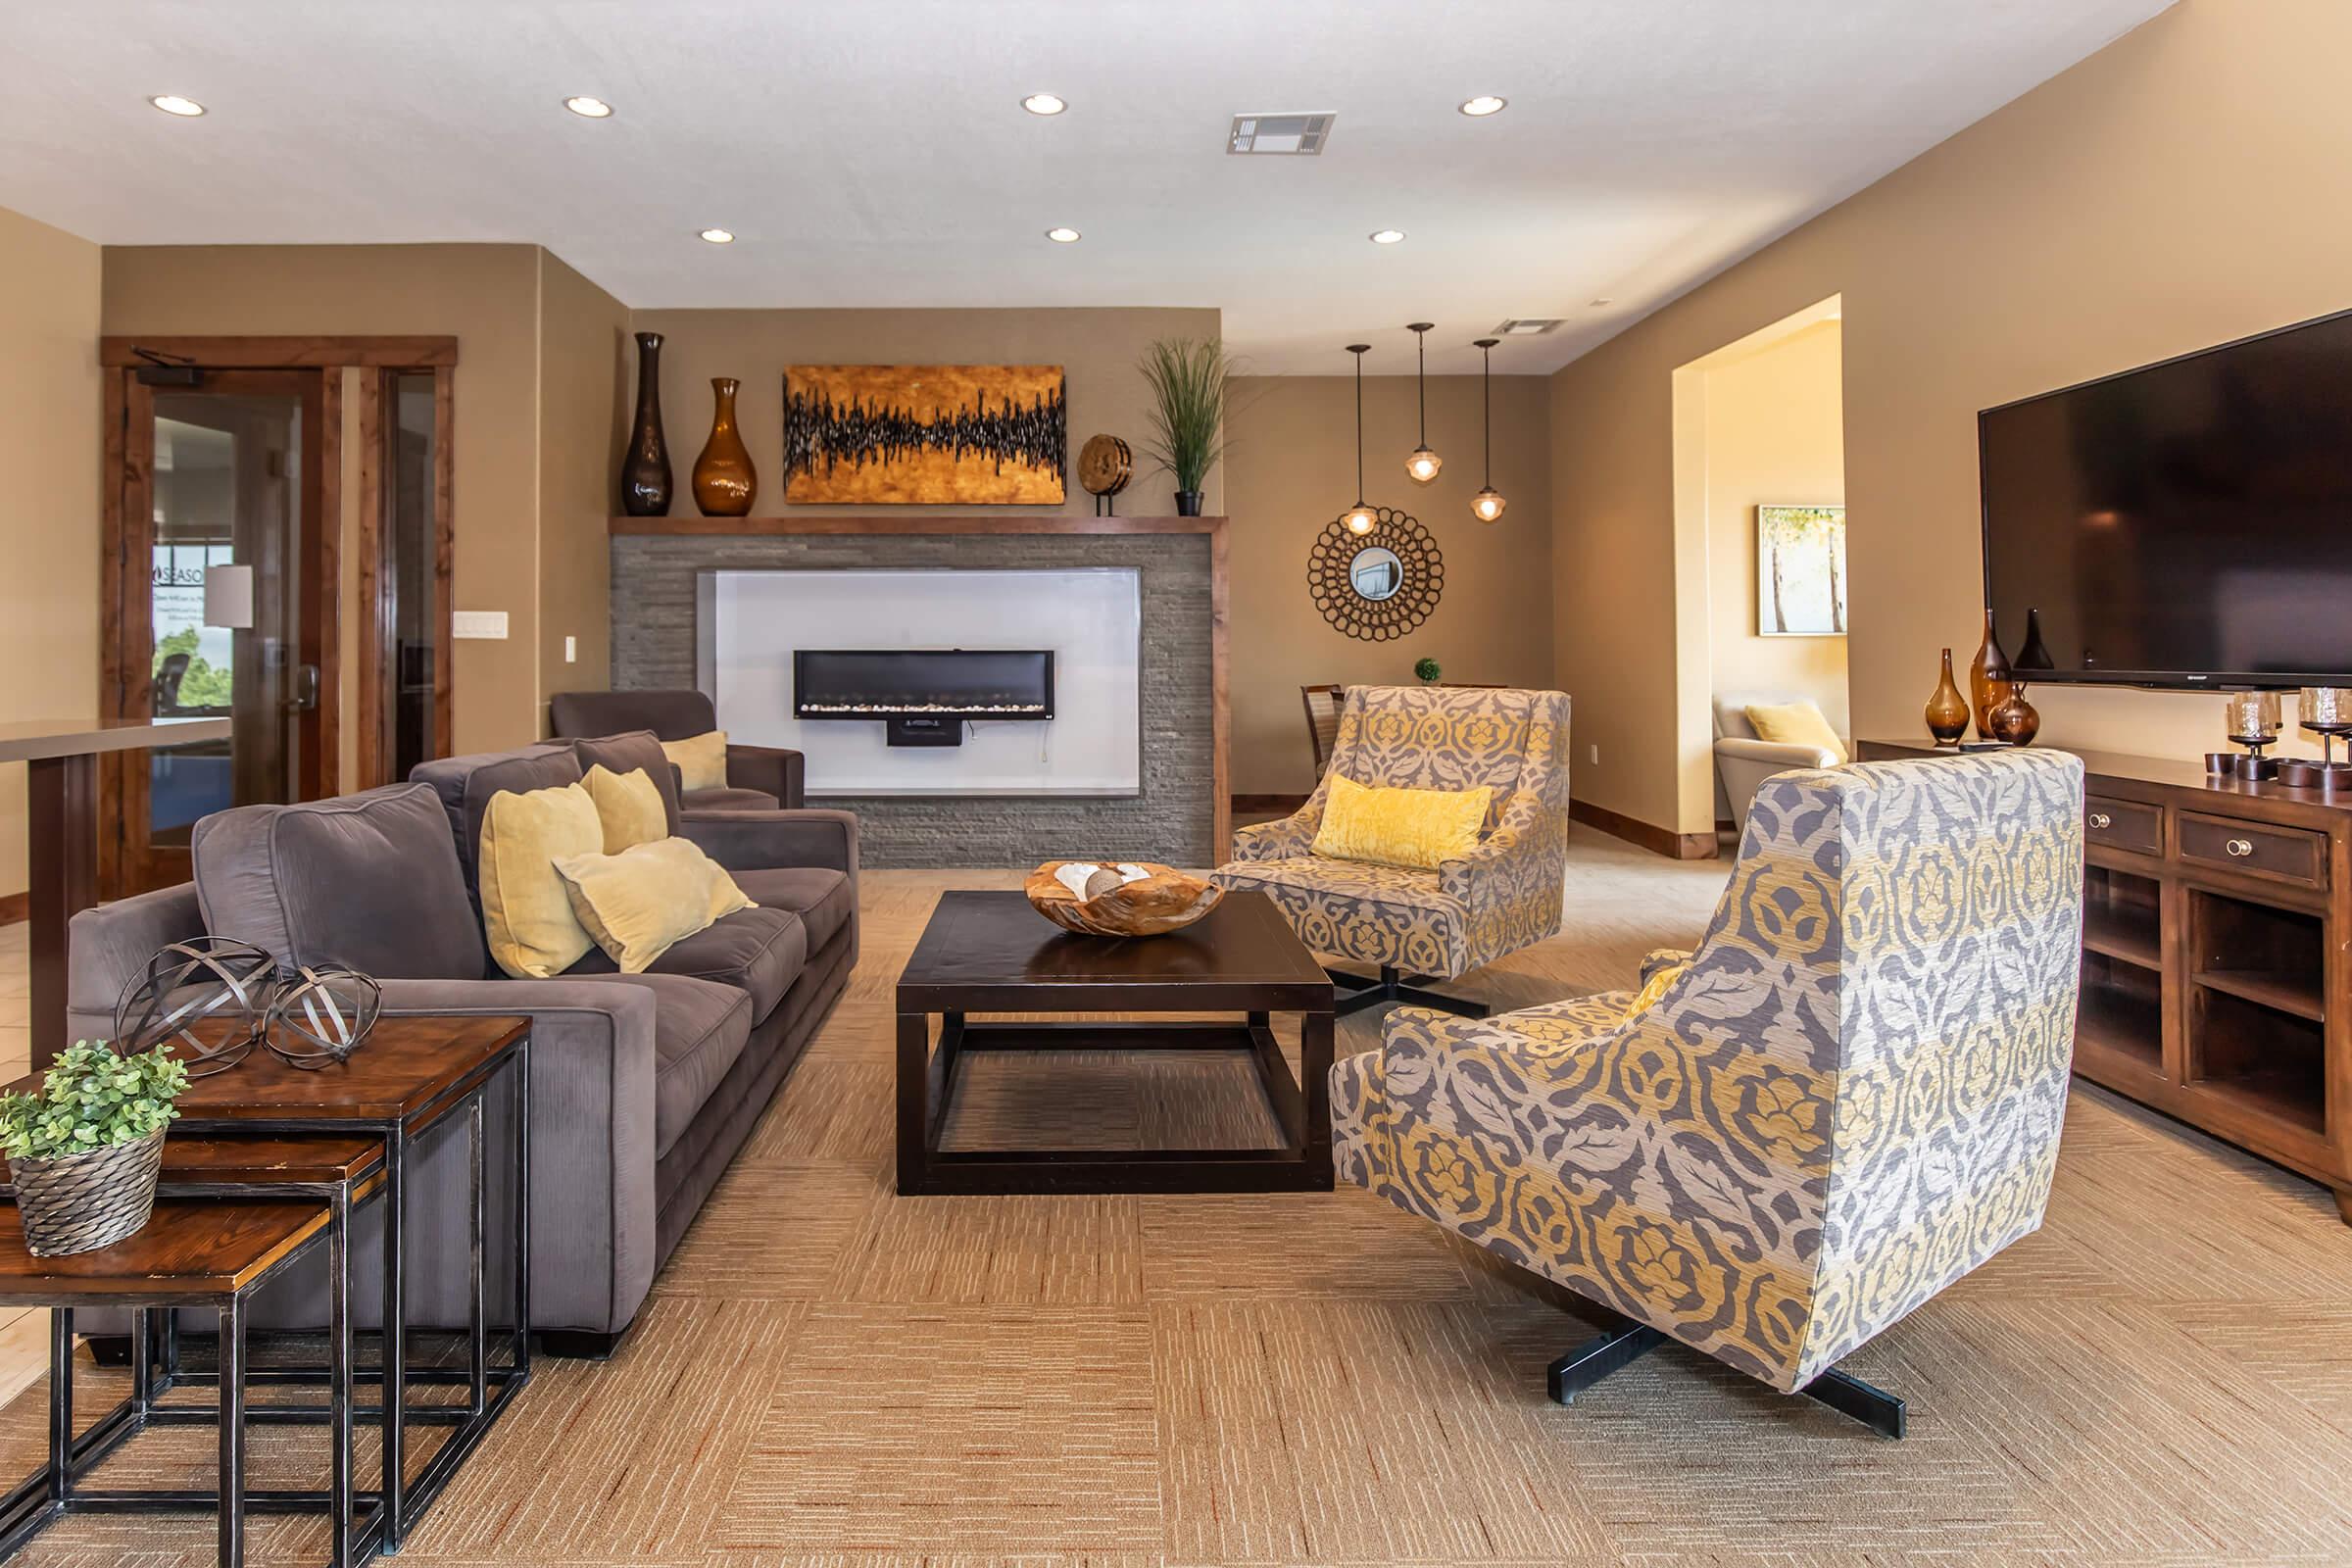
(84, 1151)
(1187, 376)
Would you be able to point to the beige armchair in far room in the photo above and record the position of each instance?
(1745, 760)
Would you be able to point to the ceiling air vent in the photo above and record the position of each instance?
(1299, 134)
(1528, 327)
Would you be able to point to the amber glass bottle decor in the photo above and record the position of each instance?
(645, 472)
(2014, 721)
(723, 481)
(1948, 710)
(1988, 680)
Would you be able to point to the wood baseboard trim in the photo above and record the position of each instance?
(1267, 804)
(1643, 835)
(15, 907)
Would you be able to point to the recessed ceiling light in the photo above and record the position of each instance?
(1062, 236)
(1043, 103)
(589, 107)
(172, 103)
(1387, 236)
(719, 236)
(1485, 103)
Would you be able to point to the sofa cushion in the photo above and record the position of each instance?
(672, 714)
(453, 780)
(758, 951)
(821, 897)
(369, 881)
(728, 800)
(636, 750)
(700, 1027)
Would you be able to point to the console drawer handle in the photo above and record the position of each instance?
(2102, 820)
(2239, 849)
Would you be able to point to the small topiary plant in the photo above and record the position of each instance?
(91, 1098)
(1426, 669)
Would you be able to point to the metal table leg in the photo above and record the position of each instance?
(396, 1343)
(232, 1432)
(338, 1270)
(61, 1404)
(478, 1344)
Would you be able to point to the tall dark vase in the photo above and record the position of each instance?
(723, 480)
(645, 472)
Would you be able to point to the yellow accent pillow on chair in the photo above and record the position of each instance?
(629, 804)
(1419, 828)
(527, 915)
(638, 904)
(1798, 723)
(702, 760)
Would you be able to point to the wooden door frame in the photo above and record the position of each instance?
(377, 594)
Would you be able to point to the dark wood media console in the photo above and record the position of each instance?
(2216, 935)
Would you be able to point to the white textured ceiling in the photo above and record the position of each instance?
(874, 152)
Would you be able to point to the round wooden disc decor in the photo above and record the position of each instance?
(1418, 576)
(1104, 465)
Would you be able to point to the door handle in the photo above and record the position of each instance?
(306, 688)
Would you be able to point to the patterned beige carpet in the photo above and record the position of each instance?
(830, 1375)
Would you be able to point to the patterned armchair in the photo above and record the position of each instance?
(1849, 1096)
(1499, 898)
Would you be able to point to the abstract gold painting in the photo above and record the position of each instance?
(924, 434)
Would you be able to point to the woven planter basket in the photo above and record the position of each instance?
(80, 1202)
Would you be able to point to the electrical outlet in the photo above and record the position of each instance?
(1595, 755)
(484, 623)
(571, 649)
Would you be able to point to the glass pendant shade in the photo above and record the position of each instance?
(1423, 466)
(1360, 519)
(1487, 506)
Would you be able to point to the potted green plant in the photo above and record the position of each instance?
(1428, 671)
(1187, 376)
(84, 1151)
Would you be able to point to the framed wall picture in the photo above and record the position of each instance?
(1800, 572)
(924, 434)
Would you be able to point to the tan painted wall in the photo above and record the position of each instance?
(1292, 469)
(488, 297)
(1774, 435)
(1096, 348)
(2166, 194)
(583, 379)
(50, 414)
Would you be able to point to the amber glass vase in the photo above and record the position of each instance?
(645, 472)
(2015, 722)
(1988, 680)
(723, 480)
(1948, 710)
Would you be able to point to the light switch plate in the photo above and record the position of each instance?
(571, 649)
(488, 623)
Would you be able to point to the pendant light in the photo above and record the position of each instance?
(1487, 506)
(1360, 518)
(1423, 466)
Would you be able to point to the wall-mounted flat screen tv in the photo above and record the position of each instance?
(2187, 523)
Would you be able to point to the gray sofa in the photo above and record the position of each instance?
(759, 777)
(643, 1087)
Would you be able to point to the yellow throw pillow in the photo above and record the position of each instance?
(1421, 828)
(526, 911)
(637, 903)
(702, 760)
(1796, 724)
(629, 804)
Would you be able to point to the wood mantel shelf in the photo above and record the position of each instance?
(936, 523)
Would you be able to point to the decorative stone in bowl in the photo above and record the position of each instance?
(1119, 898)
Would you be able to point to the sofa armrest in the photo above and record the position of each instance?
(758, 841)
(109, 944)
(771, 768)
(592, 1137)
(1777, 754)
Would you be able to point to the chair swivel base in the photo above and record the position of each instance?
(1356, 993)
(1626, 1342)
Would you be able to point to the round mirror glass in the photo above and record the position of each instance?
(1376, 572)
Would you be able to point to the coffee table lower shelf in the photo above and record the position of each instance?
(927, 1078)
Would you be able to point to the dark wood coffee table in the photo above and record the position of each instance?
(992, 952)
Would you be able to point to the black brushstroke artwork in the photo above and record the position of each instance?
(821, 434)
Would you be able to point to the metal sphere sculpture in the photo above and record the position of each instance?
(321, 1017)
(206, 997)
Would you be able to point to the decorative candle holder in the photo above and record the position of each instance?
(2326, 712)
(2251, 720)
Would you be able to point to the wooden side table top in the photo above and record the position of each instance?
(201, 1247)
(258, 1158)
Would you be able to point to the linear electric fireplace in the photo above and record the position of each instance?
(922, 696)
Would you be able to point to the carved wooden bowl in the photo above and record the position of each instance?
(1167, 900)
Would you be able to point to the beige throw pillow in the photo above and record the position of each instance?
(638, 904)
(629, 805)
(702, 760)
(527, 913)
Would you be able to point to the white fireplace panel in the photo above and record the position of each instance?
(748, 624)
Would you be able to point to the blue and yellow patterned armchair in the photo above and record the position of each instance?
(1413, 924)
(1845, 1099)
